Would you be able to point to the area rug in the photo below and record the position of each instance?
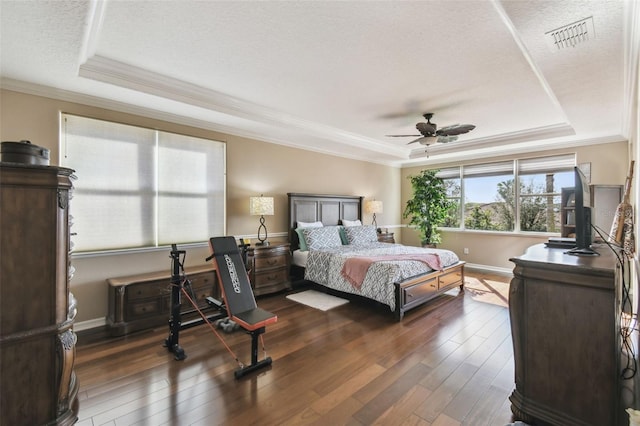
(317, 300)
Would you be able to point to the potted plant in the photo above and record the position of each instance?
(429, 206)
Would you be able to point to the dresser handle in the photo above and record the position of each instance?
(272, 262)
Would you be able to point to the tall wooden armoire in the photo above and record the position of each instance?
(37, 344)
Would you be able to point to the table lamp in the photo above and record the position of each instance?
(261, 206)
(373, 206)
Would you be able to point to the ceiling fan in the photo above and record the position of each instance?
(430, 134)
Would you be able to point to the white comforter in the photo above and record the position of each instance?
(324, 266)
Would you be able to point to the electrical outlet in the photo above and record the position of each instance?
(465, 250)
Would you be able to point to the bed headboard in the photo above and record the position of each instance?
(328, 209)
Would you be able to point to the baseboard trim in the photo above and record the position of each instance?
(488, 268)
(89, 324)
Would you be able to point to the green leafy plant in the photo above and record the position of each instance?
(429, 206)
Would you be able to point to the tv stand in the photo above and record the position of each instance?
(565, 325)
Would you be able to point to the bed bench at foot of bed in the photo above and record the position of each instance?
(415, 291)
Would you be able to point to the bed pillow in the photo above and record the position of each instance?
(302, 243)
(356, 222)
(358, 235)
(343, 235)
(316, 224)
(319, 238)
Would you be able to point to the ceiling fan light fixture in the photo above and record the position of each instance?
(427, 140)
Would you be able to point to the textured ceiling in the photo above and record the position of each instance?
(337, 77)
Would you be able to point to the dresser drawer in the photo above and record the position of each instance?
(148, 289)
(200, 293)
(207, 279)
(271, 277)
(142, 309)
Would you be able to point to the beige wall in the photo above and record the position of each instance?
(609, 166)
(253, 167)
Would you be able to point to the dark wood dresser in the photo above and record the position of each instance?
(268, 268)
(143, 301)
(565, 324)
(37, 344)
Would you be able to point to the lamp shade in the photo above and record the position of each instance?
(261, 206)
(373, 206)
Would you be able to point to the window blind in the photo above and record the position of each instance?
(557, 163)
(141, 187)
(488, 169)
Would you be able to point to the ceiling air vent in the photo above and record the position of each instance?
(571, 35)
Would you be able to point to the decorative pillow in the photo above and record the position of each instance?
(358, 235)
(356, 222)
(343, 235)
(319, 238)
(316, 224)
(301, 225)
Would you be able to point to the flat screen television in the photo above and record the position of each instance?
(583, 216)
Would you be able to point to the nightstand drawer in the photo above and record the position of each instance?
(270, 262)
(271, 277)
(269, 268)
(386, 237)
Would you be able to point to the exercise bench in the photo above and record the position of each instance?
(238, 297)
(238, 303)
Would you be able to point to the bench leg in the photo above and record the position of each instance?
(255, 364)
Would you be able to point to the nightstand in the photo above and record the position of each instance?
(269, 268)
(386, 237)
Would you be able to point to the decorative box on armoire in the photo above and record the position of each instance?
(37, 344)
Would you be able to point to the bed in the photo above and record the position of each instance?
(400, 285)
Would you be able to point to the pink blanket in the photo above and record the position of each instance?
(355, 269)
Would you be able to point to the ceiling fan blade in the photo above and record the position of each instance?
(458, 129)
(402, 136)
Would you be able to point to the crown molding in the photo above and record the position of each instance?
(98, 102)
(119, 74)
(512, 149)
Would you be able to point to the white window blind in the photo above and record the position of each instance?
(448, 173)
(140, 187)
(489, 169)
(557, 163)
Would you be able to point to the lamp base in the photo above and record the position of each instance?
(262, 243)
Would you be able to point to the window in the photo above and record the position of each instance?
(140, 187)
(451, 180)
(489, 202)
(541, 182)
(492, 200)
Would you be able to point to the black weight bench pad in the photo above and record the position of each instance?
(236, 288)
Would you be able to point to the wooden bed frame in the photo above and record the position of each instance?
(330, 210)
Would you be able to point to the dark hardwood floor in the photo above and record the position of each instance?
(447, 363)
